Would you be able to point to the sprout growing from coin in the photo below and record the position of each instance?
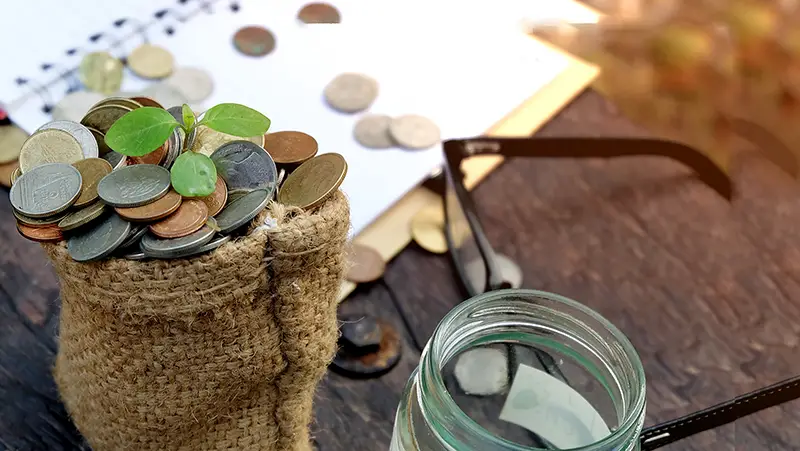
(193, 174)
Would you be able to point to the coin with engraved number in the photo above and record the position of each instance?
(241, 211)
(319, 12)
(208, 140)
(245, 166)
(100, 240)
(216, 200)
(351, 92)
(218, 241)
(372, 131)
(7, 171)
(38, 222)
(132, 186)
(155, 247)
(75, 105)
(11, 140)
(101, 72)
(82, 217)
(414, 132)
(290, 147)
(195, 84)
(101, 118)
(366, 264)
(165, 94)
(92, 171)
(41, 234)
(153, 211)
(254, 41)
(190, 216)
(151, 61)
(46, 190)
(427, 229)
(49, 146)
(80, 133)
(314, 181)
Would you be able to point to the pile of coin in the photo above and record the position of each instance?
(71, 186)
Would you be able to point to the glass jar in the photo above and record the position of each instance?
(523, 370)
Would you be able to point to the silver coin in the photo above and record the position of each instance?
(186, 141)
(509, 271)
(116, 159)
(136, 233)
(75, 105)
(100, 241)
(165, 95)
(351, 93)
(133, 186)
(245, 166)
(240, 212)
(210, 246)
(135, 255)
(175, 148)
(46, 190)
(414, 132)
(155, 247)
(372, 131)
(195, 84)
(80, 133)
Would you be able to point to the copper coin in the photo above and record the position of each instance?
(92, 171)
(290, 147)
(216, 200)
(254, 41)
(41, 234)
(147, 101)
(154, 157)
(153, 211)
(187, 219)
(5, 173)
(319, 13)
(366, 264)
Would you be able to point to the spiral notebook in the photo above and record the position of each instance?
(465, 70)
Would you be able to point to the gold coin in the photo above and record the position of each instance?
(120, 101)
(38, 222)
(366, 264)
(15, 175)
(101, 141)
(82, 217)
(11, 139)
(92, 171)
(313, 181)
(103, 117)
(101, 72)
(49, 146)
(151, 61)
(427, 229)
(7, 171)
(207, 140)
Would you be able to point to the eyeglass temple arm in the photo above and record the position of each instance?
(566, 147)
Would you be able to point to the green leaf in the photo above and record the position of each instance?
(141, 131)
(237, 120)
(193, 175)
(188, 116)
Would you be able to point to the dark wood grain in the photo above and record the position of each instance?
(708, 292)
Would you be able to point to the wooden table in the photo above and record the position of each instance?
(708, 292)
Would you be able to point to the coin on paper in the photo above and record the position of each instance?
(351, 92)
(101, 72)
(49, 146)
(73, 106)
(80, 133)
(11, 140)
(366, 264)
(100, 240)
(151, 61)
(313, 181)
(190, 216)
(427, 229)
(92, 171)
(46, 190)
(241, 211)
(195, 84)
(319, 12)
(132, 186)
(245, 166)
(414, 132)
(372, 131)
(254, 41)
(82, 217)
(153, 211)
(290, 147)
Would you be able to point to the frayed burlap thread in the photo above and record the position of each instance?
(218, 352)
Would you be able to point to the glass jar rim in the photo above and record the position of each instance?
(428, 370)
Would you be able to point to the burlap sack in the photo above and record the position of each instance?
(218, 352)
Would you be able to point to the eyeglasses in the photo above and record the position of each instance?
(478, 266)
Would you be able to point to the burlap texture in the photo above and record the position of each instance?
(218, 352)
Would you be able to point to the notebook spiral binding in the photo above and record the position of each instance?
(49, 89)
